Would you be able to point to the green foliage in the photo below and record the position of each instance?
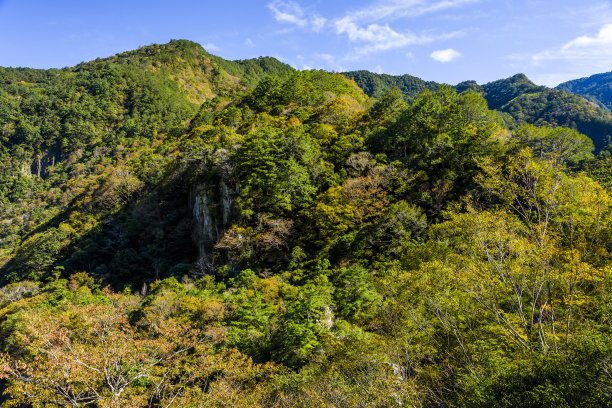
(575, 378)
(304, 89)
(308, 313)
(595, 88)
(375, 85)
(354, 292)
(518, 100)
(214, 233)
(562, 145)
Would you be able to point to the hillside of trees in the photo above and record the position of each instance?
(518, 99)
(596, 88)
(375, 85)
(177, 230)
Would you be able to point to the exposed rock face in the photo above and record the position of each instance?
(204, 223)
(226, 203)
(43, 161)
(211, 209)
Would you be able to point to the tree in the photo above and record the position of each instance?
(561, 145)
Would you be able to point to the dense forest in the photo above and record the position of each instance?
(596, 88)
(177, 230)
(520, 100)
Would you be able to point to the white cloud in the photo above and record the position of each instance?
(447, 55)
(603, 38)
(288, 12)
(594, 48)
(366, 25)
(369, 27)
(249, 43)
(317, 23)
(211, 47)
(394, 9)
(381, 37)
(582, 56)
(292, 13)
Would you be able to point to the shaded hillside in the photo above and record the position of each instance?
(63, 129)
(597, 88)
(116, 205)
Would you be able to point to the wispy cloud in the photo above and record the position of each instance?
(381, 37)
(395, 9)
(594, 48)
(317, 22)
(288, 12)
(211, 47)
(582, 56)
(371, 27)
(602, 39)
(444, 56)
(292, 13)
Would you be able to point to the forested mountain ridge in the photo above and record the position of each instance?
(71, 124)
(517, 97)
(597, 88)
(292, 242)
(375, 85)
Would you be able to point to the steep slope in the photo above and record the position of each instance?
(527, 102)
(597, 88)
(132, 205)
(300, 245)
(69, 132)
(48, 115)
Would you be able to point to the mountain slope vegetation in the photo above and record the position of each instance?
(188, 231)
(517, 98)
(375, 85)
(596, 88)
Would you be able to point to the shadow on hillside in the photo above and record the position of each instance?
(148, 239)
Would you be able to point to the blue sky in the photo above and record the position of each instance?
(442, 40)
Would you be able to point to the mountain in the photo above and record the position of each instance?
(83, 141)
(597, 88)
(376, 84)
(51, 114)
(72, 126)
(178, 230)
(520, 99)
(499, 93)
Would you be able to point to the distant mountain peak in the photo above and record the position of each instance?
(596, 88)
